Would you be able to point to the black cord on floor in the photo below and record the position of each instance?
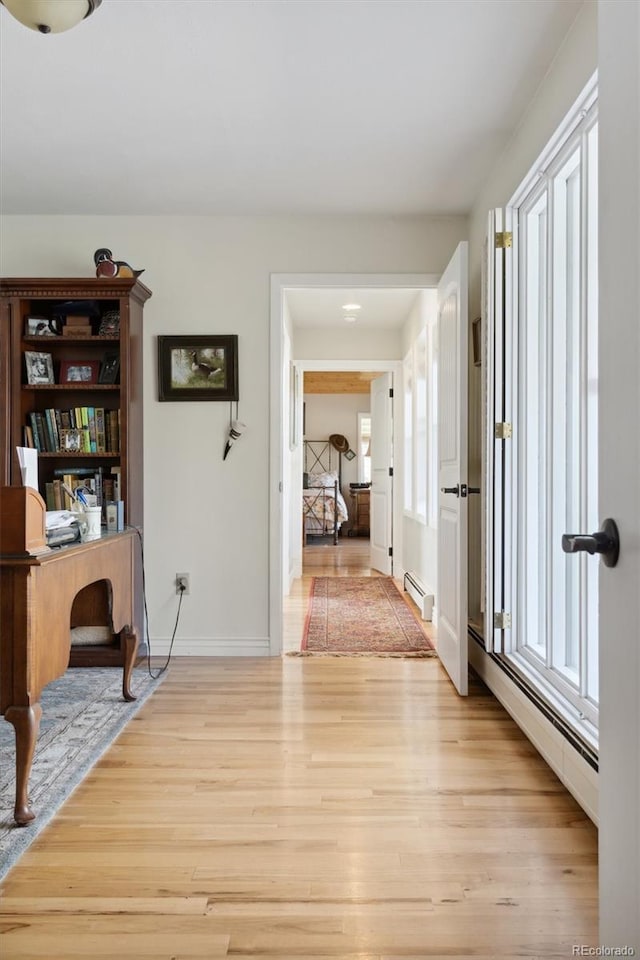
(158, 673)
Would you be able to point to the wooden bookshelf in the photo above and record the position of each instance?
(24, 298)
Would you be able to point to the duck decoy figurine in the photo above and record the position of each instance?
(106, 266)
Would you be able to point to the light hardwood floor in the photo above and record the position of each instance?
(310, 809)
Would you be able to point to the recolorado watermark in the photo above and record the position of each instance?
(582, 950)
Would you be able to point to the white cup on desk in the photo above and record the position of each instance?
(89, 521)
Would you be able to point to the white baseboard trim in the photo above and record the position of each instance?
(420, 593)
(294, 574)
(203, 647)
(399, 577)
(580, 779)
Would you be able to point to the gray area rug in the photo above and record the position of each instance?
(82, 714)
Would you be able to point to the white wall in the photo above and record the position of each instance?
(348, 343)
(212, 275)
(423, 313)
(574, 63)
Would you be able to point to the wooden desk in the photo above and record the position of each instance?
(37, 595)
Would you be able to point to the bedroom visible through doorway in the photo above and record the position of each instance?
(336, 456)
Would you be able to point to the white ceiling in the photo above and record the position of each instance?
(269, 106)
(324, 308)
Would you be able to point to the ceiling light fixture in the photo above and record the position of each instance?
(50, 16)
(351, 306)
(350, 319)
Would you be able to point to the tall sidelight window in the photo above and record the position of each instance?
(432, 465)
(420, 417)
(407, 377)
(549, 376)
(418, 434)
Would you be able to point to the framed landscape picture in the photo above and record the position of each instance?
(198, 368)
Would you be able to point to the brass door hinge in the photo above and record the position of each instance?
(504, 431)
(502, 620)
(504, 239)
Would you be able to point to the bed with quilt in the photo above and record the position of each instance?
(323, 507)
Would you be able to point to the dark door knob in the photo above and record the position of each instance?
(455, 490)
(606, 542)
(474, 490)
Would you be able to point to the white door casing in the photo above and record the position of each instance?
(452, 469)
(493, 320)
(381, 479)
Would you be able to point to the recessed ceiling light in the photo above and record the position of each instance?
(350, 319)
(351, 306)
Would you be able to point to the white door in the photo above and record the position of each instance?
(619, 479)
(452, 468)
(381, 502)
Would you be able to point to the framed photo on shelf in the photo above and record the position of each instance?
(39, 367)
(198, 368)
(109, 368)
(71, 440)
(41, 327)
(79, 371)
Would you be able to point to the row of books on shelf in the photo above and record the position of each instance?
(76, 430)
(106, 487)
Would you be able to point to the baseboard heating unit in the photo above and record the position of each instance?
(420, 595)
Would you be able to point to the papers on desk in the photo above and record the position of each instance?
(61, 527)
(59, 518)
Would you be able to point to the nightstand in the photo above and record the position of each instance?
(359, 513)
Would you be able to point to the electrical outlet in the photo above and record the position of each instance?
(182, 580)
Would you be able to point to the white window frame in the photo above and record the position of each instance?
(571, 695)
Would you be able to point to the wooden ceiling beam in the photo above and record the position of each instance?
(338, 381)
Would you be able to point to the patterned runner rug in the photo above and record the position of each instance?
(82, 714)
(362, 616)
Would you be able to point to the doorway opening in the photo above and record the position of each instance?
(336, 439)
(339, 346)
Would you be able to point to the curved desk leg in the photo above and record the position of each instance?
(130, 645)
(26, 723)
